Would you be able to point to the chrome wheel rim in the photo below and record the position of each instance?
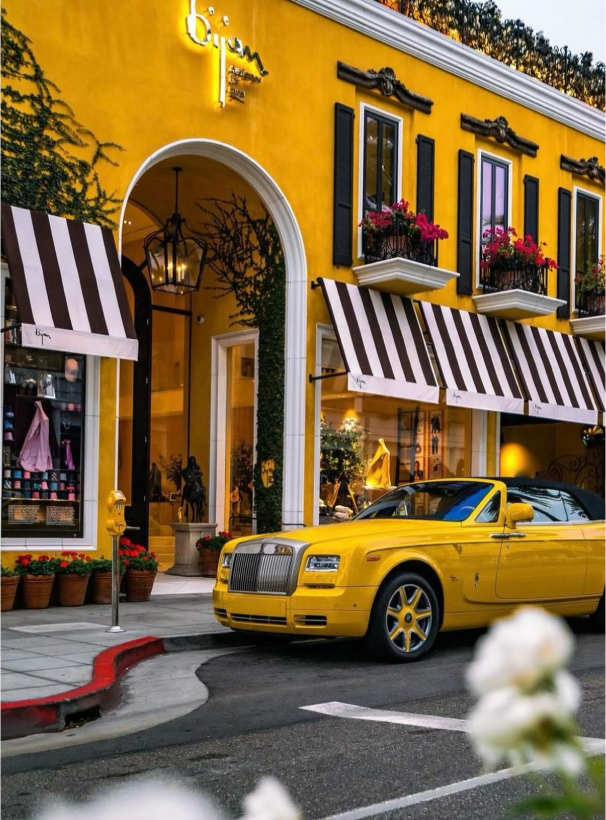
(408, 618)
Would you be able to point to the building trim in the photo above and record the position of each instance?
(400, 32)
(296, 298)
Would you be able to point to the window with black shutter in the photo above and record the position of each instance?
(425, 175)
(465, 224)
(563, 281)
(586, 237)
(531, 207)
(380, 183)
(494, 197)
(343, 186)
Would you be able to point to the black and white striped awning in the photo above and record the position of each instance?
(552, 374)
(381, 342)
(67, 281)
(474, 364)
(592, 356)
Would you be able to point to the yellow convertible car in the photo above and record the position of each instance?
(427, 556)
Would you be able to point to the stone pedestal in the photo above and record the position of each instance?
(187, 557)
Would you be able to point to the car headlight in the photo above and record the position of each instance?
(226, 560)
(323, 563)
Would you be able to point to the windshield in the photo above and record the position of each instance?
(431, 500)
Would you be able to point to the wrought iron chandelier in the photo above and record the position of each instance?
(175, 253)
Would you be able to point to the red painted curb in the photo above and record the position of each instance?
(25, 717)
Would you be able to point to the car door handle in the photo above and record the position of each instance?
(508, 535)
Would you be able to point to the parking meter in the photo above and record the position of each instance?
(115, 526)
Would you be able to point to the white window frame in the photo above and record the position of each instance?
(576, 190)
(481, 154)
(90, 475)
(218, 419)
(399, 122)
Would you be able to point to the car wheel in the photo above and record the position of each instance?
(404, 620)
(598, 617)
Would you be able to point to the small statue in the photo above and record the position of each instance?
(193, 495)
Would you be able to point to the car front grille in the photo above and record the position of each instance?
(275, 620)
(260, 572)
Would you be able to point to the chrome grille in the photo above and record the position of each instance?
(265, 570)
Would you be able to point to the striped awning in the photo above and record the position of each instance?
(474, 364)
(381, 342)
(67, 281)
(592, 356)
(552, 374)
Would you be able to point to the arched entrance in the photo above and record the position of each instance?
(296, 300)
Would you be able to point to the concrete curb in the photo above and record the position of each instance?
(50, 714)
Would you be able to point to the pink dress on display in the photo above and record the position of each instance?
(35, 454)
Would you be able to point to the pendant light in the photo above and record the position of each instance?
(175, 254)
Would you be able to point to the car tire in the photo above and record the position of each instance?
(598, 618)
(396, 633)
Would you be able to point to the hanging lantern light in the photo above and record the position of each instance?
(175, 254)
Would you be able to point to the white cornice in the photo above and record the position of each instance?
(400, 32)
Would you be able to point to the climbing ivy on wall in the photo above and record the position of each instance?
(246, 256)
(49, 160)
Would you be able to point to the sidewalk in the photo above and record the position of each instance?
(50, 651)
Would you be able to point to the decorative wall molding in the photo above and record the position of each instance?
(403, 34)
(500, 130)
(386, 82)
(583, 167)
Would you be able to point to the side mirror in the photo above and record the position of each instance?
(516, 513)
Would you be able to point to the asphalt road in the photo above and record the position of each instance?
(254, 724)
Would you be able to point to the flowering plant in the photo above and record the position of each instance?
(76, 563)
(103, 565)
(8, 573)
(214, 542)
(135, 556)
(527, 701)
(399, 220)
(26, 564)
(593, 280)
(505, 250)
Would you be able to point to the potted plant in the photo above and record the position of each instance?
(37, 577)
(141, 568)
(509, 262)
(10, 580)
(399, 232)
(591, 287)
(210, 548)
(102, 580)
(73, 574)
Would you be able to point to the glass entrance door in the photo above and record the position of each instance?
(240, 438)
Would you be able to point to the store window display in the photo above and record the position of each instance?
(43, 438)
(370, 444)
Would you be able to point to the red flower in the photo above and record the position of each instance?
(206, 538)
(126, 562)
(134, 553)
(63, 564)
(125, 542)
(25, 561)
(42, 558)
(146, 557)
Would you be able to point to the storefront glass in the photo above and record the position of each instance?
(43, 438)
(240, 441)
(369, 444)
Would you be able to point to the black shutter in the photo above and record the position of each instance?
(343, 186)
(465, 224)
(425, 175)
(531, 207)
(563, 289)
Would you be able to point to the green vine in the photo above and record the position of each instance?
(49, 160)
(246, 256)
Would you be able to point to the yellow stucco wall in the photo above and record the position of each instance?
(132, 75)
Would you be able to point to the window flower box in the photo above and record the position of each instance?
(590, 293)
(400, 252)
(514, 277)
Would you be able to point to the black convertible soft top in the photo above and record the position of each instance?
(592, 503)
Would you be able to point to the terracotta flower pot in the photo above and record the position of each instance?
(36, 590)
(209, 561)
(102, 587)
(139, 583)
(9, 590)
(72, 588)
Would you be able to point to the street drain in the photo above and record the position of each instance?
(80, 718)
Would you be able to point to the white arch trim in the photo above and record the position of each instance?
(296, 298)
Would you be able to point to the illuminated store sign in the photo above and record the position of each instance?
(230, 78)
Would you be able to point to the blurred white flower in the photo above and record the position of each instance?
(270, 801)
(520, 651)
(140, 800)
